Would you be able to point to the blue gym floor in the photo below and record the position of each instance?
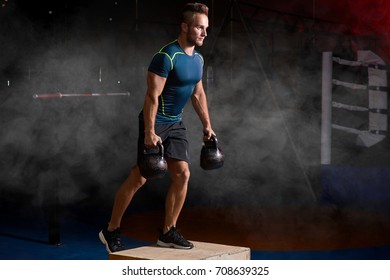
(25, 237)
(80, 242)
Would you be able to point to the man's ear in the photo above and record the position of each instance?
(184, 27)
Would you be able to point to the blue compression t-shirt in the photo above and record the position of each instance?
(183, 72)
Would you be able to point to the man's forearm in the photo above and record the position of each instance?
(150, 111)
(201, 108)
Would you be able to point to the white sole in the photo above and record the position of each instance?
(103, 240)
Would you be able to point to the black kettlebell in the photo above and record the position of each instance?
(211, 157)
(152, 164)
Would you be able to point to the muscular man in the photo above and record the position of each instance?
(174, 76)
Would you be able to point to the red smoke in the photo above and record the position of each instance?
(369, 17)
(364, 17)
(350, 17)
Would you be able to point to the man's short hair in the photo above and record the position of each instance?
(190, 9)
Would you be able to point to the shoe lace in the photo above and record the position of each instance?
(116, 239)
(177, 236)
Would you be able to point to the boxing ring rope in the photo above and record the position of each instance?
(377, 100)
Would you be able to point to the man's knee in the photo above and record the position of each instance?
(179, 171)
(135, 177)
(184, 174)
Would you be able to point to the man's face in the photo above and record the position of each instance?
(196, 32)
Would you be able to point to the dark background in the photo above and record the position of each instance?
(266, 111)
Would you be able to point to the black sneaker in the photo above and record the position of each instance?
(173, 239)
(112, 240)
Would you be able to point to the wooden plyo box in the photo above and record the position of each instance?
(201, 251)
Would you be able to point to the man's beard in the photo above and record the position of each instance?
(195, 41)
(200, 43)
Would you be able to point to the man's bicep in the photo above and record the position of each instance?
(198, 90)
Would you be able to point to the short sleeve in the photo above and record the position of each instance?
(161, 64)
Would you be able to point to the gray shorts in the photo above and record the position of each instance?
(174, 137)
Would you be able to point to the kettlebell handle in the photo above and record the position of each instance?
(160, 149)
(213, 142)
